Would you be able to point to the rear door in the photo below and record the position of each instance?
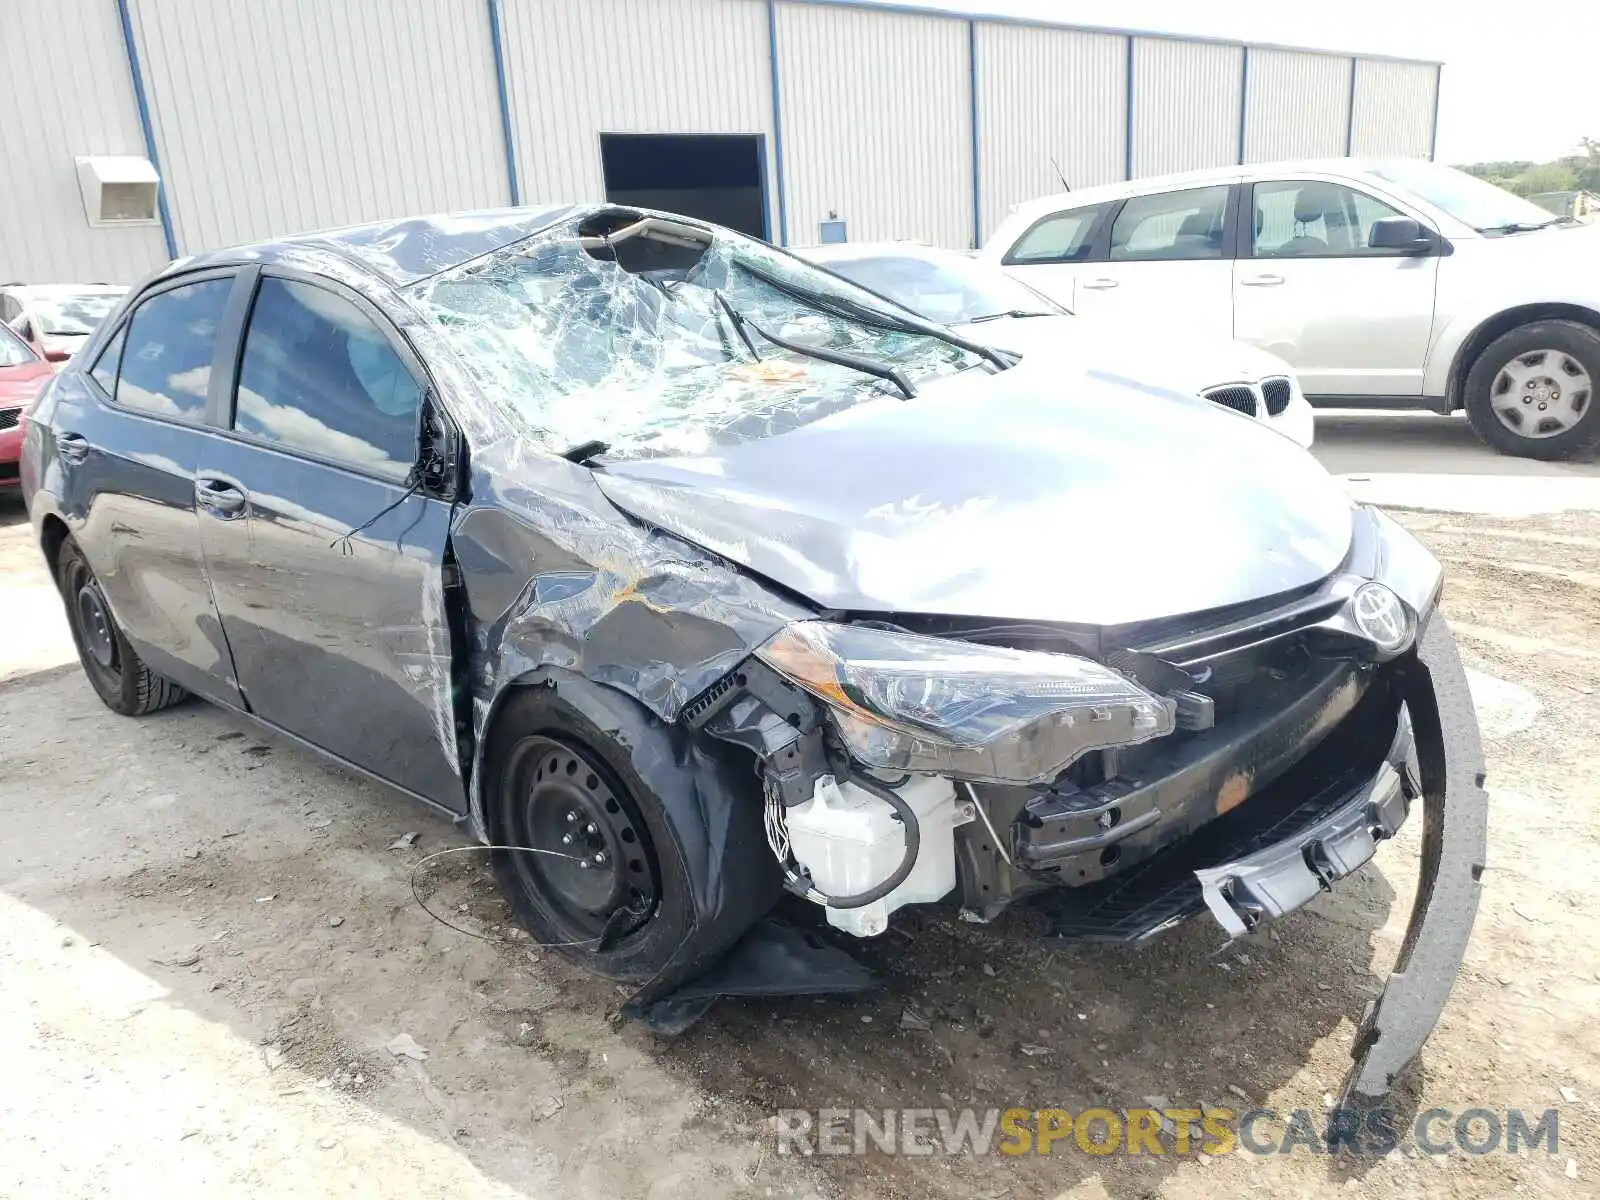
(128, 436)
(1352, 320)
(1167, 262)
(326, 561)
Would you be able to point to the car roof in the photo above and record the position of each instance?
(406, 250)
(1082, 197)
(48, 291)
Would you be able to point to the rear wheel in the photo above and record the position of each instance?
(1532, 391)
(116, 672)
(602, 877)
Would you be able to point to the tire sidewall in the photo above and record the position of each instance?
(540, 712)
(117, 690)
(1577, 340)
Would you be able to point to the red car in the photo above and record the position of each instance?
(22, 374)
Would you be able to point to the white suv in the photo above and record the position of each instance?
(1392, 283)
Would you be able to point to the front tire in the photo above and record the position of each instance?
(550, 775)
(117, 674)
(1531, 393)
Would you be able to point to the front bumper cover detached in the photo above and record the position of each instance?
(1455, 832)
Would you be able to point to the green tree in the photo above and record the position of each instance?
(1546, 177)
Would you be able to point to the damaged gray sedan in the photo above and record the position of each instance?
(685, 573)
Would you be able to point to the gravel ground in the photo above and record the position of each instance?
(212, 946)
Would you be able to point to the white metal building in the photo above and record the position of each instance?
(774, 115)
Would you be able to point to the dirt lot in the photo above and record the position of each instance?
(210, 943)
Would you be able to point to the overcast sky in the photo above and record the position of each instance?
(1521, 80)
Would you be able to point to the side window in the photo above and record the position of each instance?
(1171, 225)
(1309, 219)
(105, 367)
(165, 366)
(1061, 237)
(317, 375)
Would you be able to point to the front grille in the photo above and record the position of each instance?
(1236, 396)
(9, 472)
(1276, 393)
(1162, 888)
(9, 418)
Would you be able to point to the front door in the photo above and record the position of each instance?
(327, 563)
(1351, 320)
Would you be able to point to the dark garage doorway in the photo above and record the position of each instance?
(716, 177)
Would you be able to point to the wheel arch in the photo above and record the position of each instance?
(711, 801)
(53, 534)
(1502, 322)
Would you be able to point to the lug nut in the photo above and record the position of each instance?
(566, 839)
(590, 829)
(583, 864)
(572, 815)
(600, 858)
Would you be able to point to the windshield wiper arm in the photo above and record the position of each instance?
(736, 319)
(839, 306)
(1525, 226)
(840, 358)
(1010, 312)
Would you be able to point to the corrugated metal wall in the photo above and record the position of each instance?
(877, 123)
(575, 71)
(1394, 109)
(1296, 105)
(276, 118)
(1186, 98)
(64, 91)
(1043, 94)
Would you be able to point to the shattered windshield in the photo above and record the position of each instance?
(653, 343)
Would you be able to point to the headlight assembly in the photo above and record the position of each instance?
(1405, 565)
(932, 706)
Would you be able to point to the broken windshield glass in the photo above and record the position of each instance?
(646, 359)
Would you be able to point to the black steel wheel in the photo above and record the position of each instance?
(115, 671)
(605, 880)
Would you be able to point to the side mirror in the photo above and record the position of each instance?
(57, 355)
(1400, 233)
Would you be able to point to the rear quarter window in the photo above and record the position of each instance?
(1060, 237)
(167, 348)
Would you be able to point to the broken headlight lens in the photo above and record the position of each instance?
(933, 706)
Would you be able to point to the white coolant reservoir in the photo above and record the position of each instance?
(848, 841)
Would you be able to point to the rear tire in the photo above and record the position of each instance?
(1550, 363)
(117, 674)
(547, 762)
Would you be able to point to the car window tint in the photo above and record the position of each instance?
(166, 361)
(317, 375)
(1310, 219)
(1171, 225)
(105, 367)
(1064, 237)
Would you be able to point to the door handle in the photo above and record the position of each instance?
(1098, 285)
(1261, 281)
(72, 447)
(219, 497)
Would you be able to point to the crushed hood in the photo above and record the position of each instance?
(1031, 494)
